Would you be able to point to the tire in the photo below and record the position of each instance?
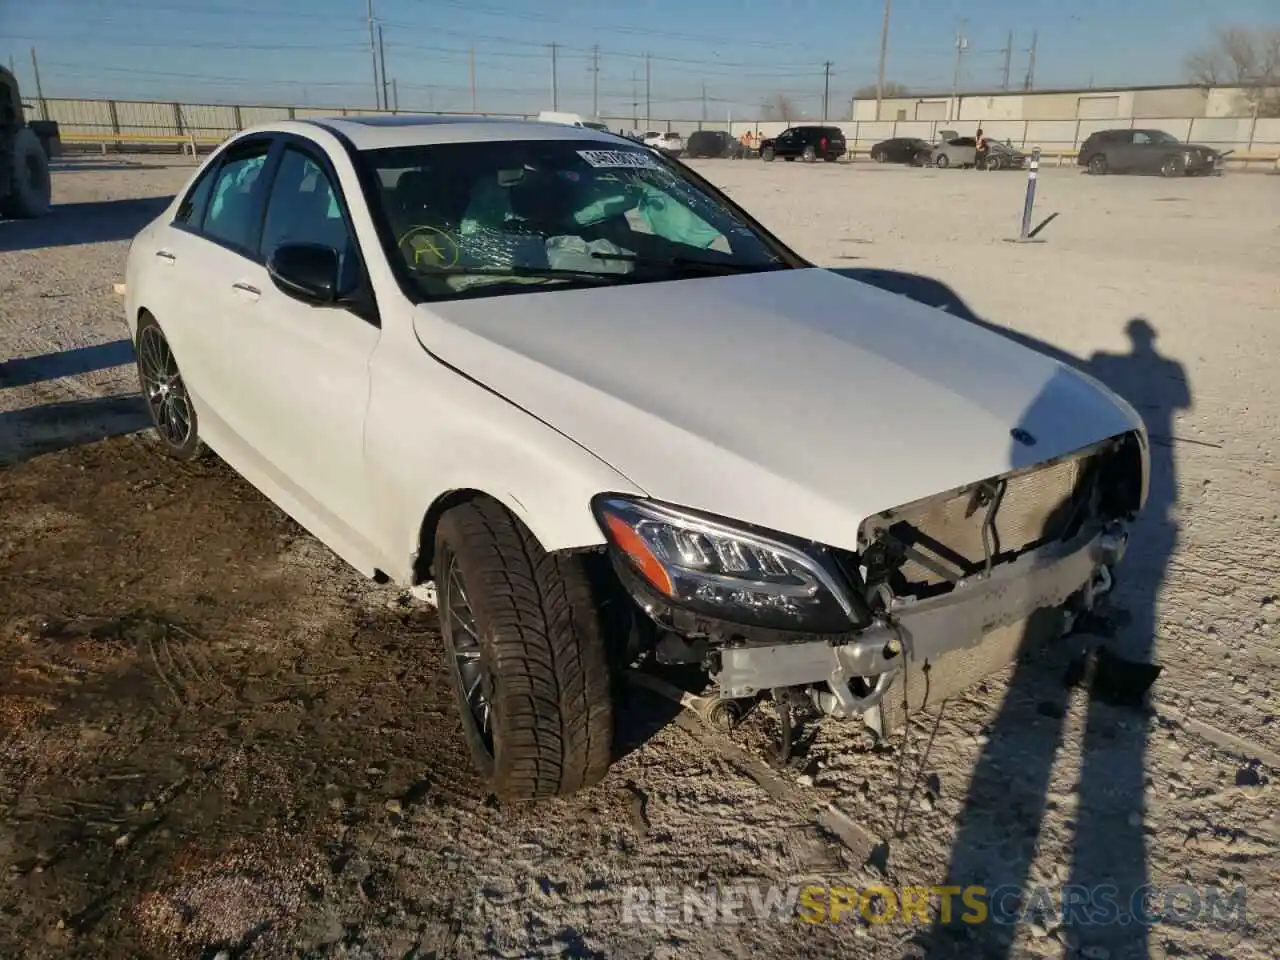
(942, 162)
(878, 156)
(809, 155)
(29, 192)
(529, 624)
(1173, 167)
(830, 159)
(789, 159)
(172, 413)
(1098, 164)
(767, 155)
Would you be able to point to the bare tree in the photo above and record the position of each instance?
(891, 89)
(779, 107)
(1245, 57)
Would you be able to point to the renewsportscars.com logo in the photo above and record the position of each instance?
(821, 903)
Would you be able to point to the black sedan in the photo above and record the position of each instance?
(911, 150)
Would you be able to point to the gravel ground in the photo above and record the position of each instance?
(215, 740)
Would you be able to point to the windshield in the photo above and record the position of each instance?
(481, 218)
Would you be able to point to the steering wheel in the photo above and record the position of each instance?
(425, 245)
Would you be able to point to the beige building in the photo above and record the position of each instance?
(1094, 104)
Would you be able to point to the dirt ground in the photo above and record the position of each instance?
(217, 741)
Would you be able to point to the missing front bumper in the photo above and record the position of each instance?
(977, 628)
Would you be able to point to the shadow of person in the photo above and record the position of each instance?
(1003, 825)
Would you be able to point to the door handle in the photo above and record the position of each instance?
(166, 256)
(247, 289)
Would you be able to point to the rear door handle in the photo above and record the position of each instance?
(166, 256)
(247, 289)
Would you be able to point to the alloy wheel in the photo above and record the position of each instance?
(162, 385)
(462, 638)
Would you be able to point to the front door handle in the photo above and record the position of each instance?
(166, 256)
(247, 290)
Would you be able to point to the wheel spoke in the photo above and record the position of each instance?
(463, 640)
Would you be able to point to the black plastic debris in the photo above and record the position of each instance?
(1111, 678)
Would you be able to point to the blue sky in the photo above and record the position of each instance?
(317, 51)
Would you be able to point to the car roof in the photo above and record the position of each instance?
(377, 131)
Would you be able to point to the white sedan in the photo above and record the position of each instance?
(613, 418)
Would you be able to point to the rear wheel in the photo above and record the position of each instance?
(172, 413)
(29, 192)
(942, 162)
(1098, 164)
(767, 154)
(527, 655)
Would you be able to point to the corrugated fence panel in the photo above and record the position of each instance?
(208, 120)
(1266, 135)
(311, 112)
(252, 116)
(145, 117)
(80, 116)
(1221, 134)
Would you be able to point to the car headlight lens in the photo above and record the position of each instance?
(725, 572)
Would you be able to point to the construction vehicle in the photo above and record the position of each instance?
(25, 186)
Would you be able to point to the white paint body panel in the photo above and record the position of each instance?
(797, 400)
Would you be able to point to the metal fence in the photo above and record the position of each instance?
(82, 119)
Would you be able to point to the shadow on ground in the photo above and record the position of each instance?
(1010, 794)
(65, 363)
(32, 431)
(71, 224)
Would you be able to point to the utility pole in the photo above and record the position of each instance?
(395, 96)
(884, 53)
(635, 101)
(373, 55)
(595, 81)
(473, 78)
(555, 90)
(961, 43)
(648, 98)
(1030, 82)
(1008, 60)
(704, 101)
(382, 65)
(35, 68)
(826, 88)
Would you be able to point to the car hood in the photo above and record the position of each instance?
(798, 400)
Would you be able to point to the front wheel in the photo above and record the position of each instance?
(1172, 167)
(172, 413)
(942, 162)
(527, 655)
(29, 190)
(809, 155)
(878, 156)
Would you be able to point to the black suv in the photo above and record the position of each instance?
(1145, 151)
(711, 143)
(808, 143)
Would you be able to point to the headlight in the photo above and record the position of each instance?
(726, 572)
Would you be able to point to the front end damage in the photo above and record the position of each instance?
(939, 593)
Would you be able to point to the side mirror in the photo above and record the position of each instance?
(305, 271)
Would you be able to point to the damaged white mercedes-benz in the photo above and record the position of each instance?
(616, 421)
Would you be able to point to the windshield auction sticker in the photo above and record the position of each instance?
(631, 159)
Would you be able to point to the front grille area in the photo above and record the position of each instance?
(922, 548)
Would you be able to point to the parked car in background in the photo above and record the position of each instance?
(911, 150)
(712, 143)
(670, 143)
(558, 374)
(1146, 151)
(963, 152)
(806, 143)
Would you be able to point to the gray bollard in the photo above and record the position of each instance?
(1033, 169)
